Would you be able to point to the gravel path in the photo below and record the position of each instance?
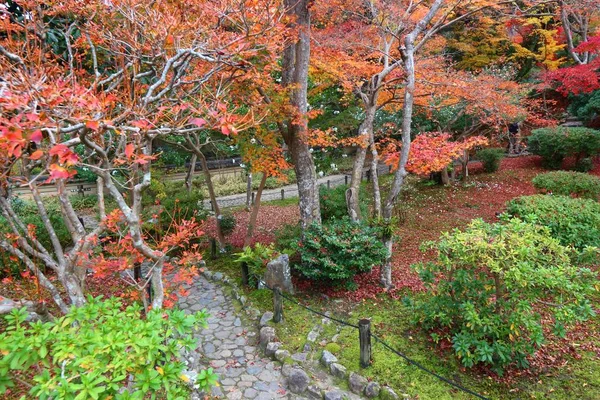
(290, 191)
(229, 345)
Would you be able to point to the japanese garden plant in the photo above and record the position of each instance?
(494, 287)
(335, 252)
(568, 183)
(101, 350)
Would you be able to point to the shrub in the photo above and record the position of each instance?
(335, 252)
(574, 222)
(490, 158)
(568, 184)
(333, 203)
(227, 223)
(287, 237)
(554, 144)
(257, 259)
(485, 289)
(100, 350)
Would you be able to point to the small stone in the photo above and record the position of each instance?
(312, 336)
(388, 394)
(338, 370)
(298, 380)
(208, 274)
(372, 390)
(299, 357)
(286, 370)
(327, 358)
(281, 355)
(243, 300)
(357, 383)
(267, 335)
(237, 322)
(307, 348)
(335, 337)
(265, 319)
(314, 392)
(272, 348)
(217, 276)
(250, 393)
(333, 395)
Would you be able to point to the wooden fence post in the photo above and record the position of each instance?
(345, 179)
(213, 248)
(245, 273)
(364, 335)
(277, 305)
(282, 194)
(328, 184)
(252, 198)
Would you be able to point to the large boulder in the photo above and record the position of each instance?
(279, 275)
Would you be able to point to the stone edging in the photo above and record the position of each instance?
(298, 379)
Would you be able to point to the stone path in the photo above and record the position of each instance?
(229, 345)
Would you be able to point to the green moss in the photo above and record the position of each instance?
(333, 348)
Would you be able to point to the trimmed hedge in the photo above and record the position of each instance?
(555, 144)
(576, 184)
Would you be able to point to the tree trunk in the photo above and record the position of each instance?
(190, 173)
(295, 74)
(255, 207)
(213, 200)
(375, 179)
(365, 131)
(445, 177)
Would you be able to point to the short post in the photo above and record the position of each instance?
(328, 184)
(252, 198)
(213, 248)
(364, 335)
(212, 208)
(345, 179)
(277, 305)
(245, 273)
(368, 175)
(282, 194)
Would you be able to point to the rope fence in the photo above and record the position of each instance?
(365, 335)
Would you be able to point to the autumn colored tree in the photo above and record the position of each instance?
(111, 77)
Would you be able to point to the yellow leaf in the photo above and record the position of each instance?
(160, 370)
(184, 377)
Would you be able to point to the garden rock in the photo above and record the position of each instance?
(327, 358)
(338, 370)
(388, 394)
(267, 335)
(298, 381)
(265, 319)
(333, 395)
(278, 274)
(372, 390)
(281, 355)
(314, 392)
(357, 383)
(272, 348)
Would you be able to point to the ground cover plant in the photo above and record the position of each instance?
(100, 350)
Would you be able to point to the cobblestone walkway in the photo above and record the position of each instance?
(229, 345)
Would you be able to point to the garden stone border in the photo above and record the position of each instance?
(291, 363)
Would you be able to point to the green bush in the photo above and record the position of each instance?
(555, 144)
(101, 350)
(566, 183)
(227, 223)
(333, 203)
(336, 251)
(287, 237)
(485, 287)
(574, 222)
(490, 158)
(257, 259)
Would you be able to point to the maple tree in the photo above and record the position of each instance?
(111, 77)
